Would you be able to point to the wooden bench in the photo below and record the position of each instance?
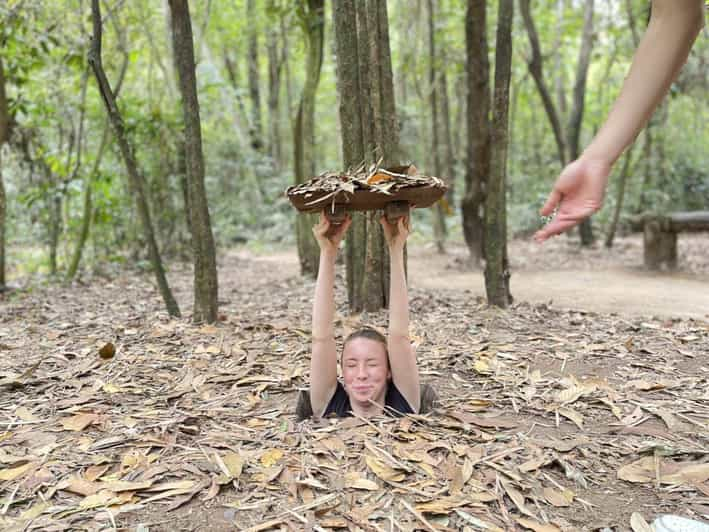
(660, 236)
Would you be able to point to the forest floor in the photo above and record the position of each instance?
(585, 402)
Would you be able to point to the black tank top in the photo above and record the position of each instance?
(395, 404)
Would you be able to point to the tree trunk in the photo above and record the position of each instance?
(369, 133)
(648, 169)
(4, 138)
(137, 180)
(304, 131)
(497, 273)
(576, 117)
(374, 276)
(448, 166)
(55, 229)
(347, 54)
(560, 71)
(535, 68)
(439, 221)
(621, 194)
(288, 81)
(204, 253)
(254, 83)
(274, 88)
(477, 165)
(87, 208)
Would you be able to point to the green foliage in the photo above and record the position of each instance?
(44, 54)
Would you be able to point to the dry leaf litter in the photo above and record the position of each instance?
(114, 416)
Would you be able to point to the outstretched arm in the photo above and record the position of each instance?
(323, 359)
(580, 188)
(404, 370)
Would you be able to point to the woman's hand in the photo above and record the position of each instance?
(330, 243)
(578, 192)
(396, 233)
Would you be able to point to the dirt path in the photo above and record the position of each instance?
(594, 280)
(625, 291)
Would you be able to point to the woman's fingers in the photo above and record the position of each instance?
(551, 203)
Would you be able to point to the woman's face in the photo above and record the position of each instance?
(365, 370)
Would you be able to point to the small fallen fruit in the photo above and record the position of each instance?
(107, 351)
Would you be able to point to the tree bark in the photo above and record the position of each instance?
(4, 138)
(373, 297)
(304, 131)
(288, 81)
(560, 72)
(622, 179)
(87, 210)
(275, 63)
(497, 273)
(369, 133)
(136, 178)
(204, 253)
(254, 83)
(477, 165)
(347, 54)
(648, 169)
(55, 222)
(439, 221)
(577, 109)
(448, 166)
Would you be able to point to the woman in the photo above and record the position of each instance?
(379, 375)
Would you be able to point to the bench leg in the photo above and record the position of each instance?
(659, 247)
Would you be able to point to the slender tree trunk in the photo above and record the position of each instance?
(233, 73)
(439, 221)
(622, 179)
(4, 138)
(304, 132)
(535, 69)
(254, 83)
(648, 169)
(288, 81)
(87, 210)
(577, 109)
(449, 157)
(137, 180)
(274, 88)
(459, 124)
(204, 253)
(55, 231)
(497, 273)
(477, 165)
(559, 67)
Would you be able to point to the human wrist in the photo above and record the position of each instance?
(328, 254)
(598, 158)
(396, 251)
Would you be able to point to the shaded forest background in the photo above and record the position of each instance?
(61, 162)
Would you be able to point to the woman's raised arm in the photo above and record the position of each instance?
(323, 359)
(404, 369)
